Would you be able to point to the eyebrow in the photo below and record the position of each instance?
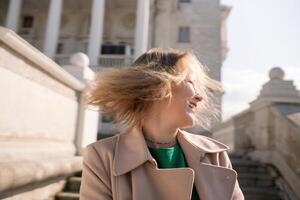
(192, 76)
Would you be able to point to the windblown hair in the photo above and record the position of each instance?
(128, 92)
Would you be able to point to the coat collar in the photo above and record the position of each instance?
(132, 151)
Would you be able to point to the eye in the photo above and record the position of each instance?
(189, 81)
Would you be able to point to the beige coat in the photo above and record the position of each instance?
(122, 168)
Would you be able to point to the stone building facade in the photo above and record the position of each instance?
(114, 32)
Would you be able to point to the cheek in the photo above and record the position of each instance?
(189, 92)
(184, 92)
(180, 95)
(179, 112)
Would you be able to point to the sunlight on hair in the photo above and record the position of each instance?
(209, 89)
(128, 92)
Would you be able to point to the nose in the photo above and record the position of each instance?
(198, 97)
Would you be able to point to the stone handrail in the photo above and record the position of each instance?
(269, 134)
(283, 147)
(39, 120)
(21, 46)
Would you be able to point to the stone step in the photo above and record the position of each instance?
(73, 184)
(266, 192)
(261, 197)
(250, 169)
(247, 165)
(245, 162)
(67, 196)
(78, 174)
(255, 179)
(238, 155)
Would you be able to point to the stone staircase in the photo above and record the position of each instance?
(71, 190)
(255, 179)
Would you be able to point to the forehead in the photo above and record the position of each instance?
(191, 75)
(188, 66)
(189, 71)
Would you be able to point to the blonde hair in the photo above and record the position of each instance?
(128, 92)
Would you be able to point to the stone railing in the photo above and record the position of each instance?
(269, 131)
(39, 105)
(225, 132)
(114, 60)
(271, 134)
(105, 60)
(235, 131)
(278, 143)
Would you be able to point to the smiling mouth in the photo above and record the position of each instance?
(192, 105)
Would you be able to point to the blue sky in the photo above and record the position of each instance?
(261, 34)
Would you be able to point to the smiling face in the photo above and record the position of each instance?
(181, 110)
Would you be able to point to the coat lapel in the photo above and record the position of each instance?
(149, 183)
(211, 181)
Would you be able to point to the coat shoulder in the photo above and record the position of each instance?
(102, 147)
(206, 143)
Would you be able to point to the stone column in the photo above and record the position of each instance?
(87, 119)
(52, 29)
(141, 27)
(162, 24)
(96, 29)
(128, 56)
(13, 14)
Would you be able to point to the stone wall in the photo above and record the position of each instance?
(38, 122)
(269, 129)
(269, 135)
(225, 133)
(280, 144)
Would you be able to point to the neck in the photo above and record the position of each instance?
(157, 136)
(157, 130)
(154, 144)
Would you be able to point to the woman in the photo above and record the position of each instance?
(153, 158)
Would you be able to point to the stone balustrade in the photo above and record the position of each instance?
(268, 131)
(42, 121)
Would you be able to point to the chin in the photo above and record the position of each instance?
(188, 121)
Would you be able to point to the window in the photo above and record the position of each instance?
(27, 21)
(59, 48)
(107, 118)
(184, 1)
(184, 34)
(113, 49)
